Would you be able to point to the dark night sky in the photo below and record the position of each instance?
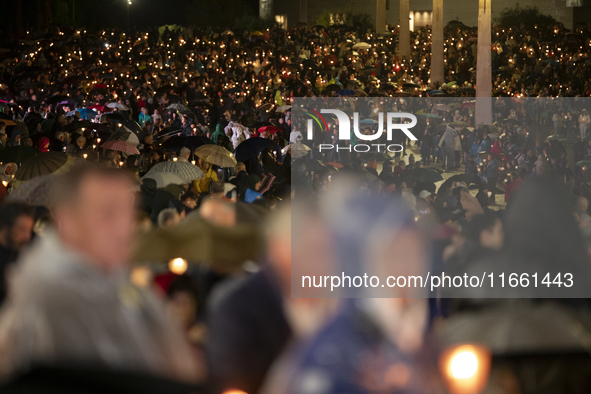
(147, 13)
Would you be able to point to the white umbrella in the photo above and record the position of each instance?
(164, 179)
(283, 108)
(443, 107)
(297, 150)
(362, 45)
(118, 106)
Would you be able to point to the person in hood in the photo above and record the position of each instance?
(43, 144)
(7, 172)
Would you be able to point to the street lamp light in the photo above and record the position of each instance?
(128, 4)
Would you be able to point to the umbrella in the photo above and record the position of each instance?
(333, 88)
(118, 106)
(251, 148)
(17, 154)
(458, 124)
(186, 171)
(124, 134)
(8, 122)
(115, 117)
(177, 107)
(368, 121)
(283, 108)
(468, 104)
(193, 142)
(335, 165)
(423, 175)
(100, 108)
(362, 45)
(443, 107)
(44, 163)
(510, 120)
(265, 107)
(196, 240)
(468, 178)
(69, 378)
(216, 155)
(35, 192)
(270, 129)
(164, 179)
(85, 113)
(233, 90)
(121, 146)
(556, 137)
(410, 86)
(297, 150)
(519, 328)
(583, 163)
(431, 116)
(346, 92)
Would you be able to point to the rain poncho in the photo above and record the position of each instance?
(63, 309)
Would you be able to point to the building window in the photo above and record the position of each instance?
(281, 20)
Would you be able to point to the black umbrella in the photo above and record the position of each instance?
(468, 178)
(57, 99)
(193, 142)
(17, 154)
(233, 90)
(91, 380)
(251, 148)
(422, 175)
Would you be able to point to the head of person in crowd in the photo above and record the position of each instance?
(168, 218)
(184, 154)
(16, 225)
(486, 230)
(94, 212)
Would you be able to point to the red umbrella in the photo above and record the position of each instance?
(121, 146)
(98, 107)
(270, 129)
(99, 86)
(335, 165)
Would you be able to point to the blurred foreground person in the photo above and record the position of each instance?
(71, 302)
(372, 344)
(248, 329)
(16, 228)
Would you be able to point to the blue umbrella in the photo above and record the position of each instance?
(346, 92)
(85, 113)
(368, 121)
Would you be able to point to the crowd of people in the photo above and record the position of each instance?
(190, 143)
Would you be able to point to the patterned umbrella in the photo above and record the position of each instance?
(44, 163)
(121, 146)
(164, 179)
(216, 154)
(36, 192)
(187, 171)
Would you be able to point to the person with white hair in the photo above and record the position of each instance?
(184, 154)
